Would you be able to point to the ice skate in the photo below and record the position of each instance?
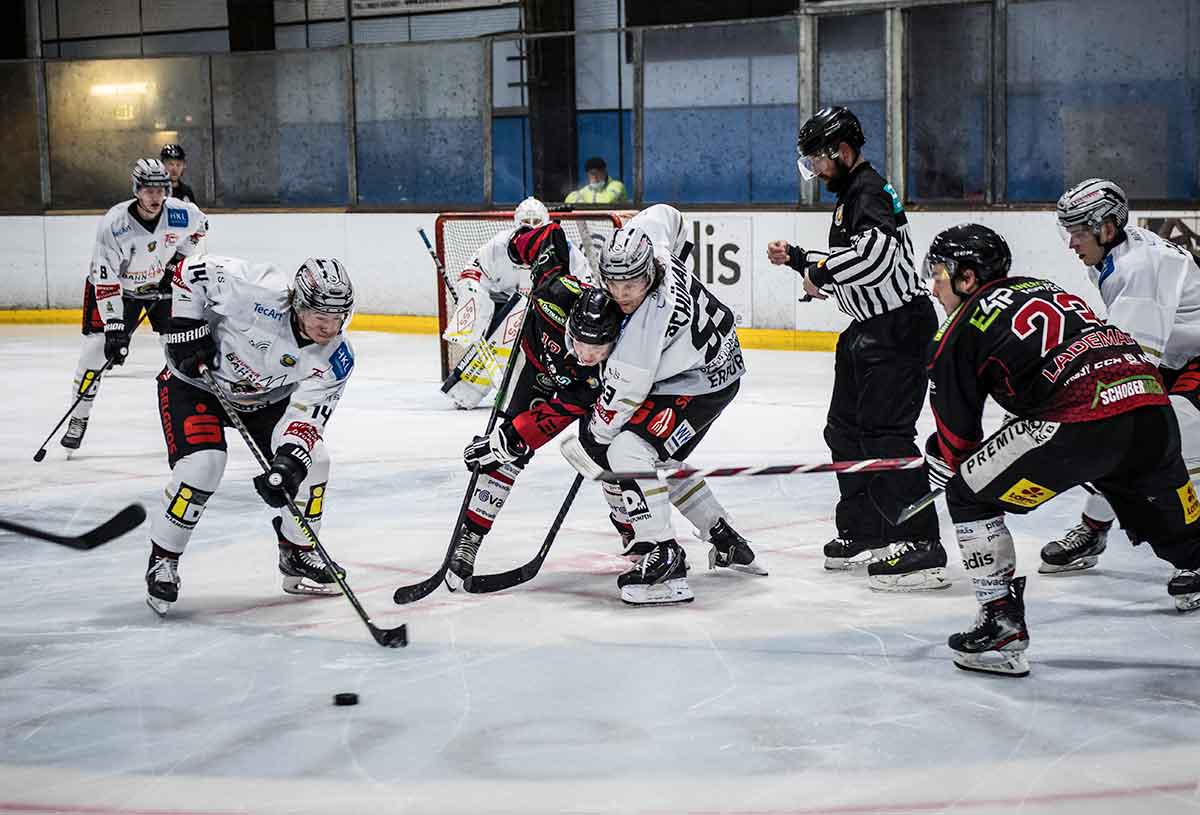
(658, 578)
(162, 583)
(629, 547)
(462, 562)
(1185, 588)
(303, 570)
(997, 642)
(910, 566)
(731, 551)
(842, 554)
(1078, 549)
(74, 435)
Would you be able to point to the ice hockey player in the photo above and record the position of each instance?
(138, 243)
(487, 317)
(1087, 405)
(675, 367)
(1151, 288)
(281, 356)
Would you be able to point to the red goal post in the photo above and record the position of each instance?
(458, 235)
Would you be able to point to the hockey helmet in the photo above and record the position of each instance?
(969, 246)
(1089, 203)
(595, 318)
(628, 255)
(531, 212)
(172, 151)
(150, 172)
(323, 285)
(823, 134)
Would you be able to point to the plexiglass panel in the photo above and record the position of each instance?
(20, 172)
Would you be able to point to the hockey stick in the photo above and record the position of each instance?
(124, 521)
(415, 591)
(487, 583)
(866, 465)
(41, 451)
(387, 637)
(886, 503)
(437, 262)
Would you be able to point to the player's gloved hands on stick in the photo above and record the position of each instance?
(503, 446)
(116, 342)
(588, 456)
(940, 471)
(191, 345)
(279, 485)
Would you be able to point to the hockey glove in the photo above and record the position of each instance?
(190, 345)
(279, 485)
(588, 456)
(503, 446)
(171, 272)
(940, 471)
(116, 342)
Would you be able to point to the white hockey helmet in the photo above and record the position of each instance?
(531, 212)
(150, 172)
(1089, 203)
(323, 285)
(628, 255)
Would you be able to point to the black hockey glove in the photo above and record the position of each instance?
(116, 342)
(503, 446)
(940, 471)
(170, 272)
(797, 259)
(279, 485)
(190, 345)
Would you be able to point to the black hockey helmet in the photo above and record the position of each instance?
(595, 318)
(970, 246)
(172, 151)
(828, 128)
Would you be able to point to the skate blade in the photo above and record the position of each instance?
(859, 561)
(1074, 566)
(753, 567)
(657, 594)
(157, 605)
(1187, 602)
(298, 585)
(924, 580)
(1004, 663)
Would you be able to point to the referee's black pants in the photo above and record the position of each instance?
(879, 386)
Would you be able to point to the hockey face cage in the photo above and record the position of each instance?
(1088, 204)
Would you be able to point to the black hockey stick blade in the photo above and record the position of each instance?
(124, 521)
(488, 583)
(390, 637)
(892, 508)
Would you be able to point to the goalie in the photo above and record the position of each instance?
(491, 293)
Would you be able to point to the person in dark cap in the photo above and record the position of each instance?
(175, 161)
(600, 189)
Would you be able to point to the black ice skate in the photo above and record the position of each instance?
(1185, 588)
(462, 562)
(998, 641)
(629, 547)
(74, 435)
(910, 566)
(1077, 550)
(303, 570)
(842, 554)
(162, 583)
(660, 577)
(731, 551)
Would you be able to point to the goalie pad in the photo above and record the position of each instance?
(472, 317)
(482, 366)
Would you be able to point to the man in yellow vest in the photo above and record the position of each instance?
(600, 189)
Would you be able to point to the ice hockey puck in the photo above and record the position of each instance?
(343, 699)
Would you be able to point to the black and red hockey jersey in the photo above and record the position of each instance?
(1038, 351)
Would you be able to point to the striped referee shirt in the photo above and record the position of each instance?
(871, 267)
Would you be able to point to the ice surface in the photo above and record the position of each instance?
(802, 692)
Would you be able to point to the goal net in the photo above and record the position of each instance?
(460, 234)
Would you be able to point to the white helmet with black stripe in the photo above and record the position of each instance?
(323, 285)
(150, 172)
(628, 255)
(1090, 203)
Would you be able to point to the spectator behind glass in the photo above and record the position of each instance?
(600, 189)
(175, 161)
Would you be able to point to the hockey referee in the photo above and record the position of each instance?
(879, 381)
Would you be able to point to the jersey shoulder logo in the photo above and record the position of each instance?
(552, 311)
(897, 207)
(837, 215)
(177, 217)
(342, 361)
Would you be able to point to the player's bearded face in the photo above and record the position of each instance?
(150, 199)
(629, 294)
(318, 327)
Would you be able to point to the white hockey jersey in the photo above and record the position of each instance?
(665, 228)
(1152, 290)
(496, 274)
(262, 358)
(129, 260)
(681, 340)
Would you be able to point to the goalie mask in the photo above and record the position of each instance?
(531, 212)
